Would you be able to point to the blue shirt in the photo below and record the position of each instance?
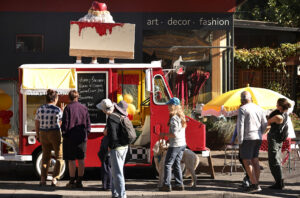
(49, 117)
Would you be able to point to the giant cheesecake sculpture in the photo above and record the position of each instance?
(97, 35)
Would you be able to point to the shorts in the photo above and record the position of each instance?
(73, 151)
(249, 149)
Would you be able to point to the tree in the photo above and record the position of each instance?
(283, 12)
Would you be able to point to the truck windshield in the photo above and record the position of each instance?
(160, 92)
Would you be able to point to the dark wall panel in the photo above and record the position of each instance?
(55, 29)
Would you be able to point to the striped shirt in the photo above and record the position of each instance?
(49, 117)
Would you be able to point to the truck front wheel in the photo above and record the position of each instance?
(37, 162)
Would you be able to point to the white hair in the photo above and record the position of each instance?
(246, 96)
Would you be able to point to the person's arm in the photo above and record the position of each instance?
(60, 115)
(278, 119)
(88, 122)
(240, 126)
(65, 122)
(173, 129)
(112, 134)
(234, 136)
(264, 123)
(37, 124)
(37, 129)
(169, 135)
(105, 132)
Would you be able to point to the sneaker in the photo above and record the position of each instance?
(42, 183)
(276, 186)
(71, 185)
(253, 188)
(165, 188)
(178, 188)
(246, 182)
(78, 185)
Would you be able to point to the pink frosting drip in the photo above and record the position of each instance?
(101, 28)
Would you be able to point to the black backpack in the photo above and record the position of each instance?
(128, 135)
(283, 132)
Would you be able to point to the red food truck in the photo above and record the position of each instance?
(143, 86)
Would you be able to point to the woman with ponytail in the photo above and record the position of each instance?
(275, 122)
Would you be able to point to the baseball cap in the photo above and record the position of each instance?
(174, 101)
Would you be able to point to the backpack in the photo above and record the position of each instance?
(128, 135)
(283, 132)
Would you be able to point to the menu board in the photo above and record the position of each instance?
(92, 89)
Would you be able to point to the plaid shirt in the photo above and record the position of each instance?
(49, 117)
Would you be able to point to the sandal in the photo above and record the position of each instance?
(42, 183)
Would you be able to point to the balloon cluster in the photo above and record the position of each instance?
(5, 114)
(131, 110)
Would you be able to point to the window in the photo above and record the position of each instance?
(29, 43)
(160, 92)
(33, 103)
(193, 58)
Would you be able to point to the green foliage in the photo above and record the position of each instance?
(283, 12)
(279, 87)
(218, 132)
(257, 57)
(296, 121)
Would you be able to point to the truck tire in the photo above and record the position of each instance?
(37, 163)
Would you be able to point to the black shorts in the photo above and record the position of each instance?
(72, 151)
(249, 149)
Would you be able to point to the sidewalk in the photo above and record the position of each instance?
(225, 185)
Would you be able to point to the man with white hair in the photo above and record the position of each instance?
(251, 124)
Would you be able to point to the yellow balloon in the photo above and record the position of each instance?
(128, 98)
(119, 98)
(131, 109)
(5, 101)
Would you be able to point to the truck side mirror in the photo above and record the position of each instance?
(148, 79)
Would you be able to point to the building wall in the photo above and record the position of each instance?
(55, 29)
(120, 5)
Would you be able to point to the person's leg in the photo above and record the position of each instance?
(256, 168)
(80, 173)
(249, 169)
(169, 161)
(56, 141)
(255, 159)
(274, 150)
(177, 168)
(106, 174)
(241, 161)
(46, 149)
(80, 168)
(72, 168)
(80, 156)
(117, 165)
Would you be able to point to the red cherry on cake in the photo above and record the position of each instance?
(99, 6)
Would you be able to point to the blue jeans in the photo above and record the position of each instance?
(117, 158)
(173, 159)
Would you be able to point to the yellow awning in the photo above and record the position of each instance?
(37, 81)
